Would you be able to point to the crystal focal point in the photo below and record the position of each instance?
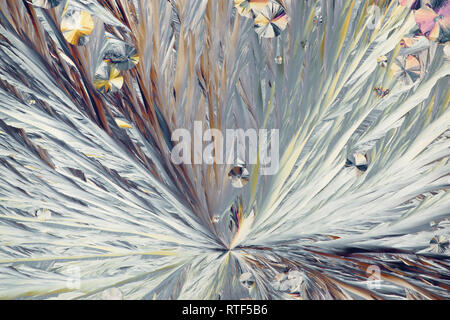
(247, 280)
(76, 25)
(107, 78)
(439, 244)
(239, 176)
(121, 55)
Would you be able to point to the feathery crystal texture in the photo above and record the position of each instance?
(93, 207)
(47, 4)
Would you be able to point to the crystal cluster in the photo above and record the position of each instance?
(269, 16)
